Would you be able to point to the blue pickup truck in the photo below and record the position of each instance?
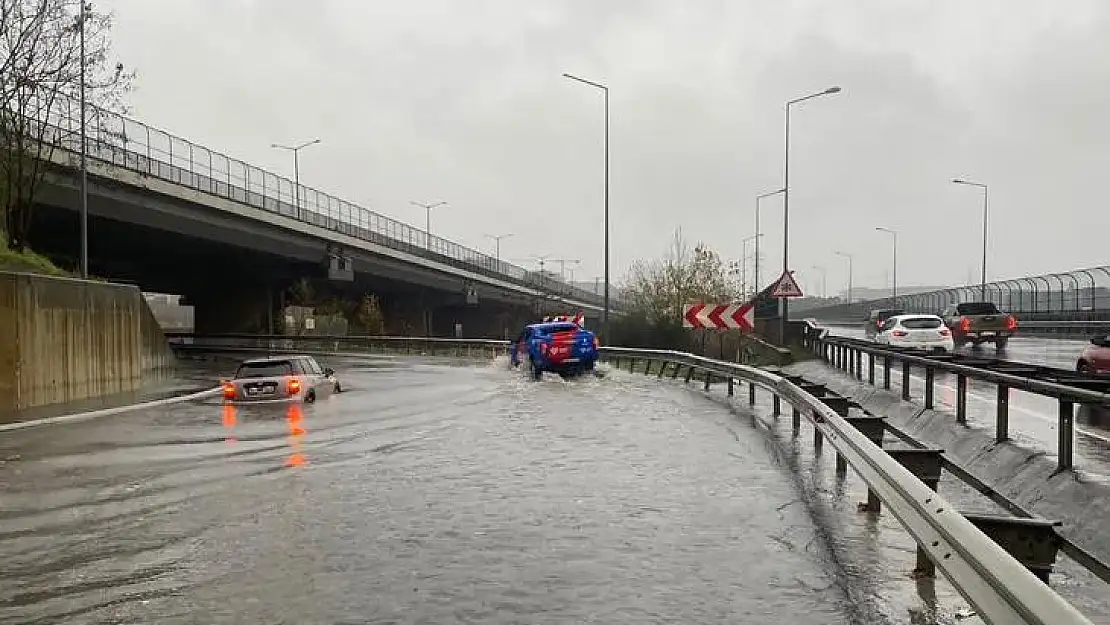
(561, 347)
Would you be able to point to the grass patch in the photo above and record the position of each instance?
(27, 261)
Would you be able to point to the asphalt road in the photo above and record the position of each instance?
(426, 493)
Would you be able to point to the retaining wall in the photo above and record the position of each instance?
(63, 340)
(1027, 477)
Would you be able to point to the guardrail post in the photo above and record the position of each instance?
(730, 382)
(961, 398)
(1033, 542)
(632, 365)
(751, 393)
(689, 374)
(647, 366)
(873, 428)
(1002, 417)
(674, 374)
(1066, 433)
(776, 405)
(906, 380)
(796, 420)
(859, 364)
(616, 361)
(663, 369)
(930, 379)
(708, 379)
(839, 405)
(871, 369)
(927, 465)
(886, 372)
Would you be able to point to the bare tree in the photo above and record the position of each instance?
(41, 75)
(661, 289)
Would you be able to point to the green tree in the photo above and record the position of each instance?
(369, 316)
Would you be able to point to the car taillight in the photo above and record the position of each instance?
(945, 332)
(879, 324)
(229, 390)
(1011, 322)
(294, 386)
(899, 333)
(965, 324)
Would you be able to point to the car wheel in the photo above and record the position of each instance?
(1083, 367)
(310, 397)
(338, 388)
(537, 373)
(1001, 343)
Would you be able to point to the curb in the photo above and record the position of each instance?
(106, 412)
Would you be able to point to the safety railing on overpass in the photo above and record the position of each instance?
(130, 144)
(1080, 294)
(1002, 589)
(1072, 329)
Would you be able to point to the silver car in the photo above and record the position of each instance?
(281, 378)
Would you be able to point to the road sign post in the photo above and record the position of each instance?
(786, 286)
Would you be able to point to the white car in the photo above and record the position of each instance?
(926, 332)
(280, 378)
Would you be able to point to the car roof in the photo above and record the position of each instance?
(916, 316)
(266, 359)
(552, 324)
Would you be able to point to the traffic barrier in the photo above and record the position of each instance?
(1001, 588)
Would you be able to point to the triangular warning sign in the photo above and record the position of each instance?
(787, 286)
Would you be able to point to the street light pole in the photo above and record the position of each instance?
(497, 243)
(605, 90)
(428, 222)
(849, 257)
(894, 271)
(296, 149)
(758, 234)
(84, 154)
(744, 262)
(824, 281)
(983, 279)
(786, 200)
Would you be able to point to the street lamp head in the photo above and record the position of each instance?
(832, 90)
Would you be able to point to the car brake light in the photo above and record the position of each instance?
(1011, 323)
(229, 390)
(294, 386)
(945, 332)
(965, 324)
(899, 333)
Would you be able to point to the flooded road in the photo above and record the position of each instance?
(426, 493)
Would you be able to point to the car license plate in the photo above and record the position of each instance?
(252, 390)
(986, 333)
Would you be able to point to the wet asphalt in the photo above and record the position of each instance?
(426, 493)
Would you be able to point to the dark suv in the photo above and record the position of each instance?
(876, 319)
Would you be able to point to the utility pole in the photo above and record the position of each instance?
(84, 153)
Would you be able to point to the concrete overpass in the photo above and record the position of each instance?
(173, 216)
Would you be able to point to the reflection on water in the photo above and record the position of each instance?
(294, 418)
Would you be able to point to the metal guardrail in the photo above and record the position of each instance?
(187, 342)
(1075, 328)
(1001, 589)
(1066, 386)
(123, 142)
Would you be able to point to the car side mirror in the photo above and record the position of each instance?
(329, 372)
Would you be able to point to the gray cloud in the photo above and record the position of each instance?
(463, 101)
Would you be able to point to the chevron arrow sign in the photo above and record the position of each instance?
(719, 316)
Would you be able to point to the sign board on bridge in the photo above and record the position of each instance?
(720, 316)
(787, 286)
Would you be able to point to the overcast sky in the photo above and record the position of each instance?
(464, 101)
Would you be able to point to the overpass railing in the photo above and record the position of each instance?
(187, 343)
(1078, 295)
(123, 142)
(1000, 588)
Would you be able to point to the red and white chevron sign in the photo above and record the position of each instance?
(720, 316)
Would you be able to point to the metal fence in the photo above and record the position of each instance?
(1077, 294)
(124, 142)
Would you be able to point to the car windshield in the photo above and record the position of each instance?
(269, 369)
(921, 323)
(977, 308)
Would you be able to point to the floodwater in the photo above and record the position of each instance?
(425, 493)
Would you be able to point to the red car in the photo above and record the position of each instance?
(1095, 358)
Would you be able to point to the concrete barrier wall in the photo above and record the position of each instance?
(63, 340)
